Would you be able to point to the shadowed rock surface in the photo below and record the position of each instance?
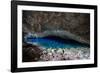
(31, 53)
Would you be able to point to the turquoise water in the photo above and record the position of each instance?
(55, 42)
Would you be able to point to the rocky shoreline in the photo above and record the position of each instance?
(32, 53)
(65, 54)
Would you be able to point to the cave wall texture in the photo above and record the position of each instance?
(40, 21)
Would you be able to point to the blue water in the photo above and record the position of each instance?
(55, 42)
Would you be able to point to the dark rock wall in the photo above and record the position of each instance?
(40, 21)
